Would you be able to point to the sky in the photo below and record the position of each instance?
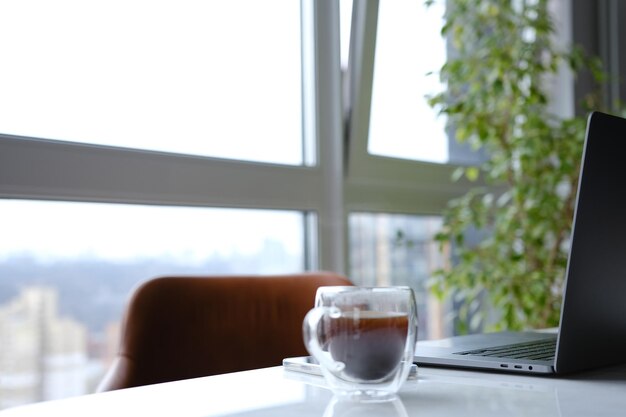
(120, 232)
(408, 46)
(216, 78)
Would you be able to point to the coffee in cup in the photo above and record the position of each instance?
(369, 343)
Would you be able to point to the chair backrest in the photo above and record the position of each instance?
(186, 327)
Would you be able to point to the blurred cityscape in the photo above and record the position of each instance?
(60, 320)
(395, 249)
(43, 355)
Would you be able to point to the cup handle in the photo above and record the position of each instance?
(311, 338)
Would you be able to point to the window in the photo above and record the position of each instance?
(408, 47)
(214, 78)
(66, 270)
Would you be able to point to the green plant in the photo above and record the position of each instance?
(521, 207)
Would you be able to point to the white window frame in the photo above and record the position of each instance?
(32, 168)
(344, 177)
(377, 183)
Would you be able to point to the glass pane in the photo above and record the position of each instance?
(392, 249)
(408, 47)
(66, 270)
(215, 78)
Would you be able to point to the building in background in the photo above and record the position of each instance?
(43, 356)
(397, 249)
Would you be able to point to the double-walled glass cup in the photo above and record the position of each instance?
(364, 338)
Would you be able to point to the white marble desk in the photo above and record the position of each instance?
(275, 392)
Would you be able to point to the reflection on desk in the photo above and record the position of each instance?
(275, 392)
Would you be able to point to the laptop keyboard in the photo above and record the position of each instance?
(537, 350)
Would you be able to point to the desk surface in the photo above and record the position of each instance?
(276, 392)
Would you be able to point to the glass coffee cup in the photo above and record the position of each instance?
(364, 339)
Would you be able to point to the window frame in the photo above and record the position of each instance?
(345, 177)
(34, 168)
(378, 183)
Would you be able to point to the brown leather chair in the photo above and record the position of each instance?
(186, 327)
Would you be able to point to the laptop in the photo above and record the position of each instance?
(592, 328)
